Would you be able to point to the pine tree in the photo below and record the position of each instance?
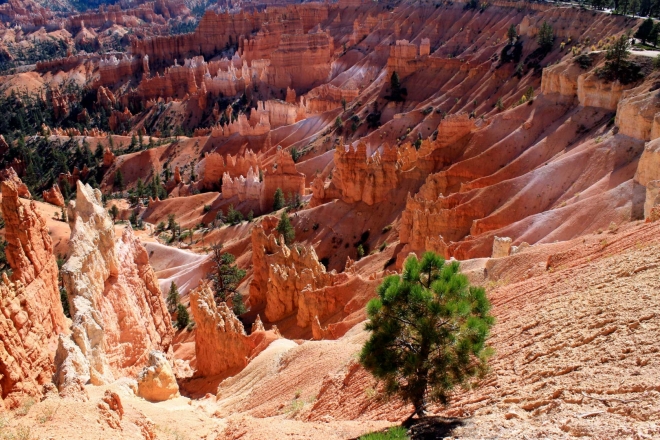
(653, 36)
(171, 223)
(278, 200)
(140, 188)
(546, 36)
(238, 304)
(428, 332)
(285, 228)
(182, 317)
(634, 7)
(398, 92)
(119, 180)
(173, 298)
(644, 30)
(114, 212)
(512, 34)
(617, 55)
(225, 276)
(98, 153)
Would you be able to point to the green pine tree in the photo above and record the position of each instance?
(278, 200)
(114, 212)
(173, 298)
(238, 304)
(428, 332)
(182, 317)
(225, 275)
(285, 228)
(119, 180)
(644, 30)
(546, 36)
(512, 34)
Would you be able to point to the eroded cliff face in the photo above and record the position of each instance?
(290, 271)
(362, 176)
(118, 313)
(221, 343)
(31, 314)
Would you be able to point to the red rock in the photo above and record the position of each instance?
(31, 314)
(285, 177)
(54, 196)
(220, 340)
(8, 174)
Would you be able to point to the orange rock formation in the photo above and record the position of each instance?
(118, 313)
(31, 313)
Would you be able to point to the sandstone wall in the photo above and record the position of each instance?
(31, 314)
(213, 166)
(220, 340)
(285, 177)
(118, 313)
(363, 176)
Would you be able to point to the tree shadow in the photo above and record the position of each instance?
(432, 427)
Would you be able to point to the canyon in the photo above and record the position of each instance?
(375, 131)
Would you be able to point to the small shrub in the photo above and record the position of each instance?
(360, 252)
(396, 433)
(382, 246)
(234, 216)
(25, 407)
(207, 208)
(387, 229)
(584, 61)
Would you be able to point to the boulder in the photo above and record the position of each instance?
(501, 247)
(156, 382)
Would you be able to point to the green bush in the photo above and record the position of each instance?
(395, 433)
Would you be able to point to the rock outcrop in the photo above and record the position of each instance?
(54, 196)
(212, 167)
(638, 115)
(501, 247)
(648, 167)
(31, 314)
(9, 174)
(156, 382)
(362, 175)
(220, 340)
(283, 176)
(291, 280)
(118, 313)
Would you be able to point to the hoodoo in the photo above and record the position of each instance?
(32, 314)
